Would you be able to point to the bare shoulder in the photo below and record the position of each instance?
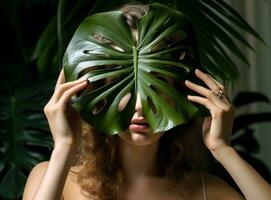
(217, 188)
(34, 179)
(40, 167)
(72, 189)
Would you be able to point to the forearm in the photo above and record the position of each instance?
(55, 177)
(252, 185)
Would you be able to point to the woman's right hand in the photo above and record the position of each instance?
(64, 121)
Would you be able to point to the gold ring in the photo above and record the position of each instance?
(219, 93)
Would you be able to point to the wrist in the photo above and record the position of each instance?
(64, 150)
(220, 152)
(66, 145)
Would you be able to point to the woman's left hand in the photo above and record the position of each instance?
(216, 129)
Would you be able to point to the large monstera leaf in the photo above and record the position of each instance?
(117, 65)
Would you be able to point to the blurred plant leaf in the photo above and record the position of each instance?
(247, 141)
(24, 135)
(245, 98)
(55, 37)
(244, 120)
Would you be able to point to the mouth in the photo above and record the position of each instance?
(139, 124)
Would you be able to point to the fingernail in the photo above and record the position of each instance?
(83, 83)
(83, 78)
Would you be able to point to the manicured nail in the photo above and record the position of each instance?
(83, 78)
(84, 83)
(187, 82)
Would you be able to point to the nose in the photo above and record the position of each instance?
(138, 105)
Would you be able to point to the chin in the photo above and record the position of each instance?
(140, 138)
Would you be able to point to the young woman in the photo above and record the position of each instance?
(137, 164)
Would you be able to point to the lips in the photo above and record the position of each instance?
(139, 121)
(139, 124)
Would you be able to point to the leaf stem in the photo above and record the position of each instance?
(135, 56)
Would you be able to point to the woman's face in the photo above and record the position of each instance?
(139, 132)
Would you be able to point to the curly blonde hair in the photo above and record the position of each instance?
(101, 176)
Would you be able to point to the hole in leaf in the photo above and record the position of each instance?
(92, 86)
(168, 99)
(99, 107)
(153, 107)
(112, 79)
(165, 78)
(101, 38)
(97, 72)
(86, 51)
(107, 41)
(175, 38)
(172, 40)
(124, 101)
(91, 69)
(133, 17)
(161, 94)
(159, 46)
(117, 48)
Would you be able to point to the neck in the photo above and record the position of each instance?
(138, 161)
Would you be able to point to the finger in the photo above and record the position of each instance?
(61, 78)
(219, 84)
(65, 98)
(207, 94)
(208, 80)
(197, 88)
(201, 100)
(213, 108)
(222, 87)
(212, 83)
(66, 86)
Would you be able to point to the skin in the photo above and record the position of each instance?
(138, 154)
